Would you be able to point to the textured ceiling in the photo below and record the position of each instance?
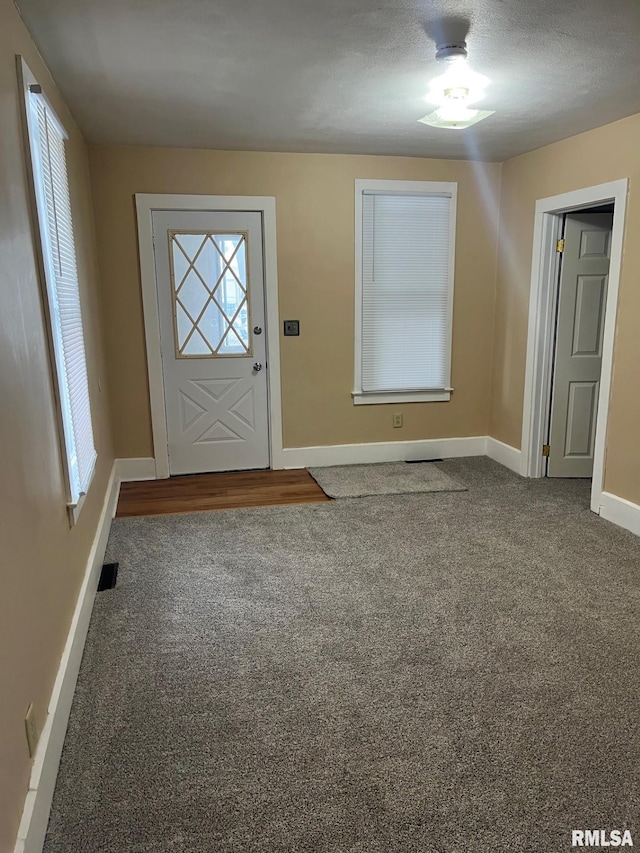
(338, 75)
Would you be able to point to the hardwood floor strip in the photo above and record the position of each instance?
(233, 490)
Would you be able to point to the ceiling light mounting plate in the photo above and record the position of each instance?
(451, 51)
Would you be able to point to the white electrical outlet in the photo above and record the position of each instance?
(397, 420)
(32, 730)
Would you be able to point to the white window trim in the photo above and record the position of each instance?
(366, 398)
(26, 80)
(426, 395)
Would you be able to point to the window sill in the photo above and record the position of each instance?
(367, 398)
(74, 510)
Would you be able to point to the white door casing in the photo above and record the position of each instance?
(582, 298)
(535, 417)
(146, 205)
(209, 276)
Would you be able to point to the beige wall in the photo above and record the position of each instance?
(601, 155)
(42, 559)
(315, 229)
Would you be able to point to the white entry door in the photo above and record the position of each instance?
(210, 282)
(579, 333)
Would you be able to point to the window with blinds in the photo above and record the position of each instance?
(404, 261)
(47, 145)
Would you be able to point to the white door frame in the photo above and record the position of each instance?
(542, 306)
(146, 203)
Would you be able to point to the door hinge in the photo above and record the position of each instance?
(545, 449)
(560, 245)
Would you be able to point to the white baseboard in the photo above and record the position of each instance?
(620, 511)
(35, 816)
(503, 453)
(383, 451)
(136, 469)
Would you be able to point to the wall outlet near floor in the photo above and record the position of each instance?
(397, 420)
(32, 730)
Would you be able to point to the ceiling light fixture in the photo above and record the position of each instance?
(451, 51)
(454, 91)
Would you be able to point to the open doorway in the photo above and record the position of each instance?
(544, 384)
(585, 254)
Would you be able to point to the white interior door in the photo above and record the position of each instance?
(579, 335)
(210, 282)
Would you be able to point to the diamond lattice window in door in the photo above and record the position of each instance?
(209, 274)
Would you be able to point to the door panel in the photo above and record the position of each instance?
(594, 242)
(210, 283)
(581, 419)
(579, 333)
(589, 315)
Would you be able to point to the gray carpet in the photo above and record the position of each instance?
(408, 674)
(388, 478)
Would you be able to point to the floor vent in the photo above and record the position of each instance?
(108, 576)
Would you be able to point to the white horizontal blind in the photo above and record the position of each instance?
(406, 291)
(64, 297)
